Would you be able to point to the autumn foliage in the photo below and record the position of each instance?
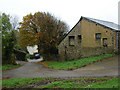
(44, 30)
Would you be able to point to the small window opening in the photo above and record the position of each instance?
(79, 38)
(98, 36)
(71, 40)
(105, 42)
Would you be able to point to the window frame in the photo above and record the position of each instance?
(97, 37)
(70, 38)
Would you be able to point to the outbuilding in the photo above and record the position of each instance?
(89, 37)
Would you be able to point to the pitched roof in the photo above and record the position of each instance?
(106, 24)
(103, 23)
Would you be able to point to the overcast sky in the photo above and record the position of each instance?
(69, 11)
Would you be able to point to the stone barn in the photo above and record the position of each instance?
(89, 37)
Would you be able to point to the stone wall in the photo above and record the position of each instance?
(119, 42)
(88, 46)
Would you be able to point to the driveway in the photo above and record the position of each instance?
(35, 60)
(107, 67)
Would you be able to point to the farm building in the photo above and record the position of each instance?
(89, 37)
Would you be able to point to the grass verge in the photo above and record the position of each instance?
(108, 82)
(18, 82)
(9, 66)
(85, 83)
(69, 65)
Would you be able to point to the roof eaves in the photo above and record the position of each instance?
(100, 24)
(91, 21)
(71, 29)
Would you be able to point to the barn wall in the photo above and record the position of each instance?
(89, 46)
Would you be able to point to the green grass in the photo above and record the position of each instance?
(84, 83)
(107, 84)
(75, 63)
(63, 84)
(9, 66)
(17, 82)
(43, 82)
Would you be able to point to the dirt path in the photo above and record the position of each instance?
(107, 67)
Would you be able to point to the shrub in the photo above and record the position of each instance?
(20, 55)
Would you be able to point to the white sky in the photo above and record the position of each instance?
(69, 11)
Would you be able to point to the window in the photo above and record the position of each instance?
(79, 38)
(104, 42)
(71, 40)
(98, 36)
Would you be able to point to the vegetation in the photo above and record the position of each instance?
(84, 83)
(17, 82)
(20, 55)
(8, 66)
(0, 37)
(69, 65)
(107, 82)
(8, 39)
(30, 56)
(44, 30)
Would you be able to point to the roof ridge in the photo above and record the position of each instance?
(111, 25)
(99, 20)
(104, 23)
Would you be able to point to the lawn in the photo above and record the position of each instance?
(107, 82)
(9, 66)
(69, 65)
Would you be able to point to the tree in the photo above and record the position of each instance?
(44, 30)
(8, 39)
(0, 38)
(14, 22)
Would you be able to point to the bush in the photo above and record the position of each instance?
(10, 61)
(13, 59)
(52, 57)
(20, 55)
(18, 47)
(29, 56)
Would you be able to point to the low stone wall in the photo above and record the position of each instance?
(72, 54)
(95, 51)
